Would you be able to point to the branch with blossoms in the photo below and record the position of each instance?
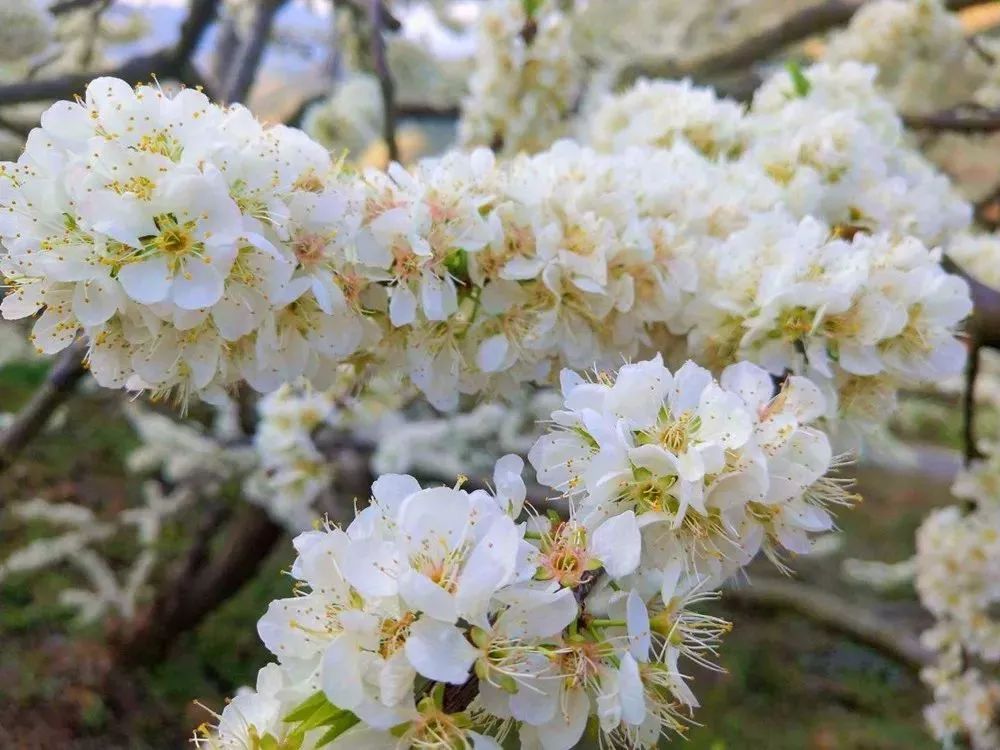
(442, 617)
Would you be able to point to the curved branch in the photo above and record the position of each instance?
(58, 386)
(832, 612)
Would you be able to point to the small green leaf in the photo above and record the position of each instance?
(305, 709)
(323, 716)
(799, 80)
(339, 726)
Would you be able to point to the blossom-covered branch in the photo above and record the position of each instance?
(242, 253)
(436, 619)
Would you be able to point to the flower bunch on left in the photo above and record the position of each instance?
(169, 230)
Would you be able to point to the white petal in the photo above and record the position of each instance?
(617, 544)
(197, 285)
(402, 305)
(147, 281)
(439, 651)
(421, 593)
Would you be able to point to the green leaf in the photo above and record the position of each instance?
(531, 7)
(339, 726)
(799, 80)
(306, 709)
(323, 716)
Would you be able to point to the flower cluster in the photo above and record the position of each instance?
(350, 119)
(183, 238)
(958, 554)
(924, 61)
(657, 113)
(816, 263)
(437, 620)
(836, 145)
(291, 472)
(713, 471)
(196, 248)
(526, 78)
(860, 316)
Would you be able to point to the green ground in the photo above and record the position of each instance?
(789, 685)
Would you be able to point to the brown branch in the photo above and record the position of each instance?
(380, 64)
(956, 120)
(170, 62)
(59, 385)
(833, 612)
(198, 588)
(238, 85)
(203, 581)
(970, 450)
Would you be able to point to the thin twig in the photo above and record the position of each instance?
(243, 75)
(970, 449)
(984, 54)
(380, 63)
(58, 386)
(832, 612)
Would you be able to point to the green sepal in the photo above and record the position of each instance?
(507, 683)
(479, 637)
(437, 694)
(457, 263)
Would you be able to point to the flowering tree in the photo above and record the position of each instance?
(685, 310)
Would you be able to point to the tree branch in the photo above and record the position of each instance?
(171, 62)
(227, 45)
(239, 82)
(380, 64)
(810, 21)
(198, 587)
(834, 613)
(65, 6)
(58, 386)
(956, 120)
